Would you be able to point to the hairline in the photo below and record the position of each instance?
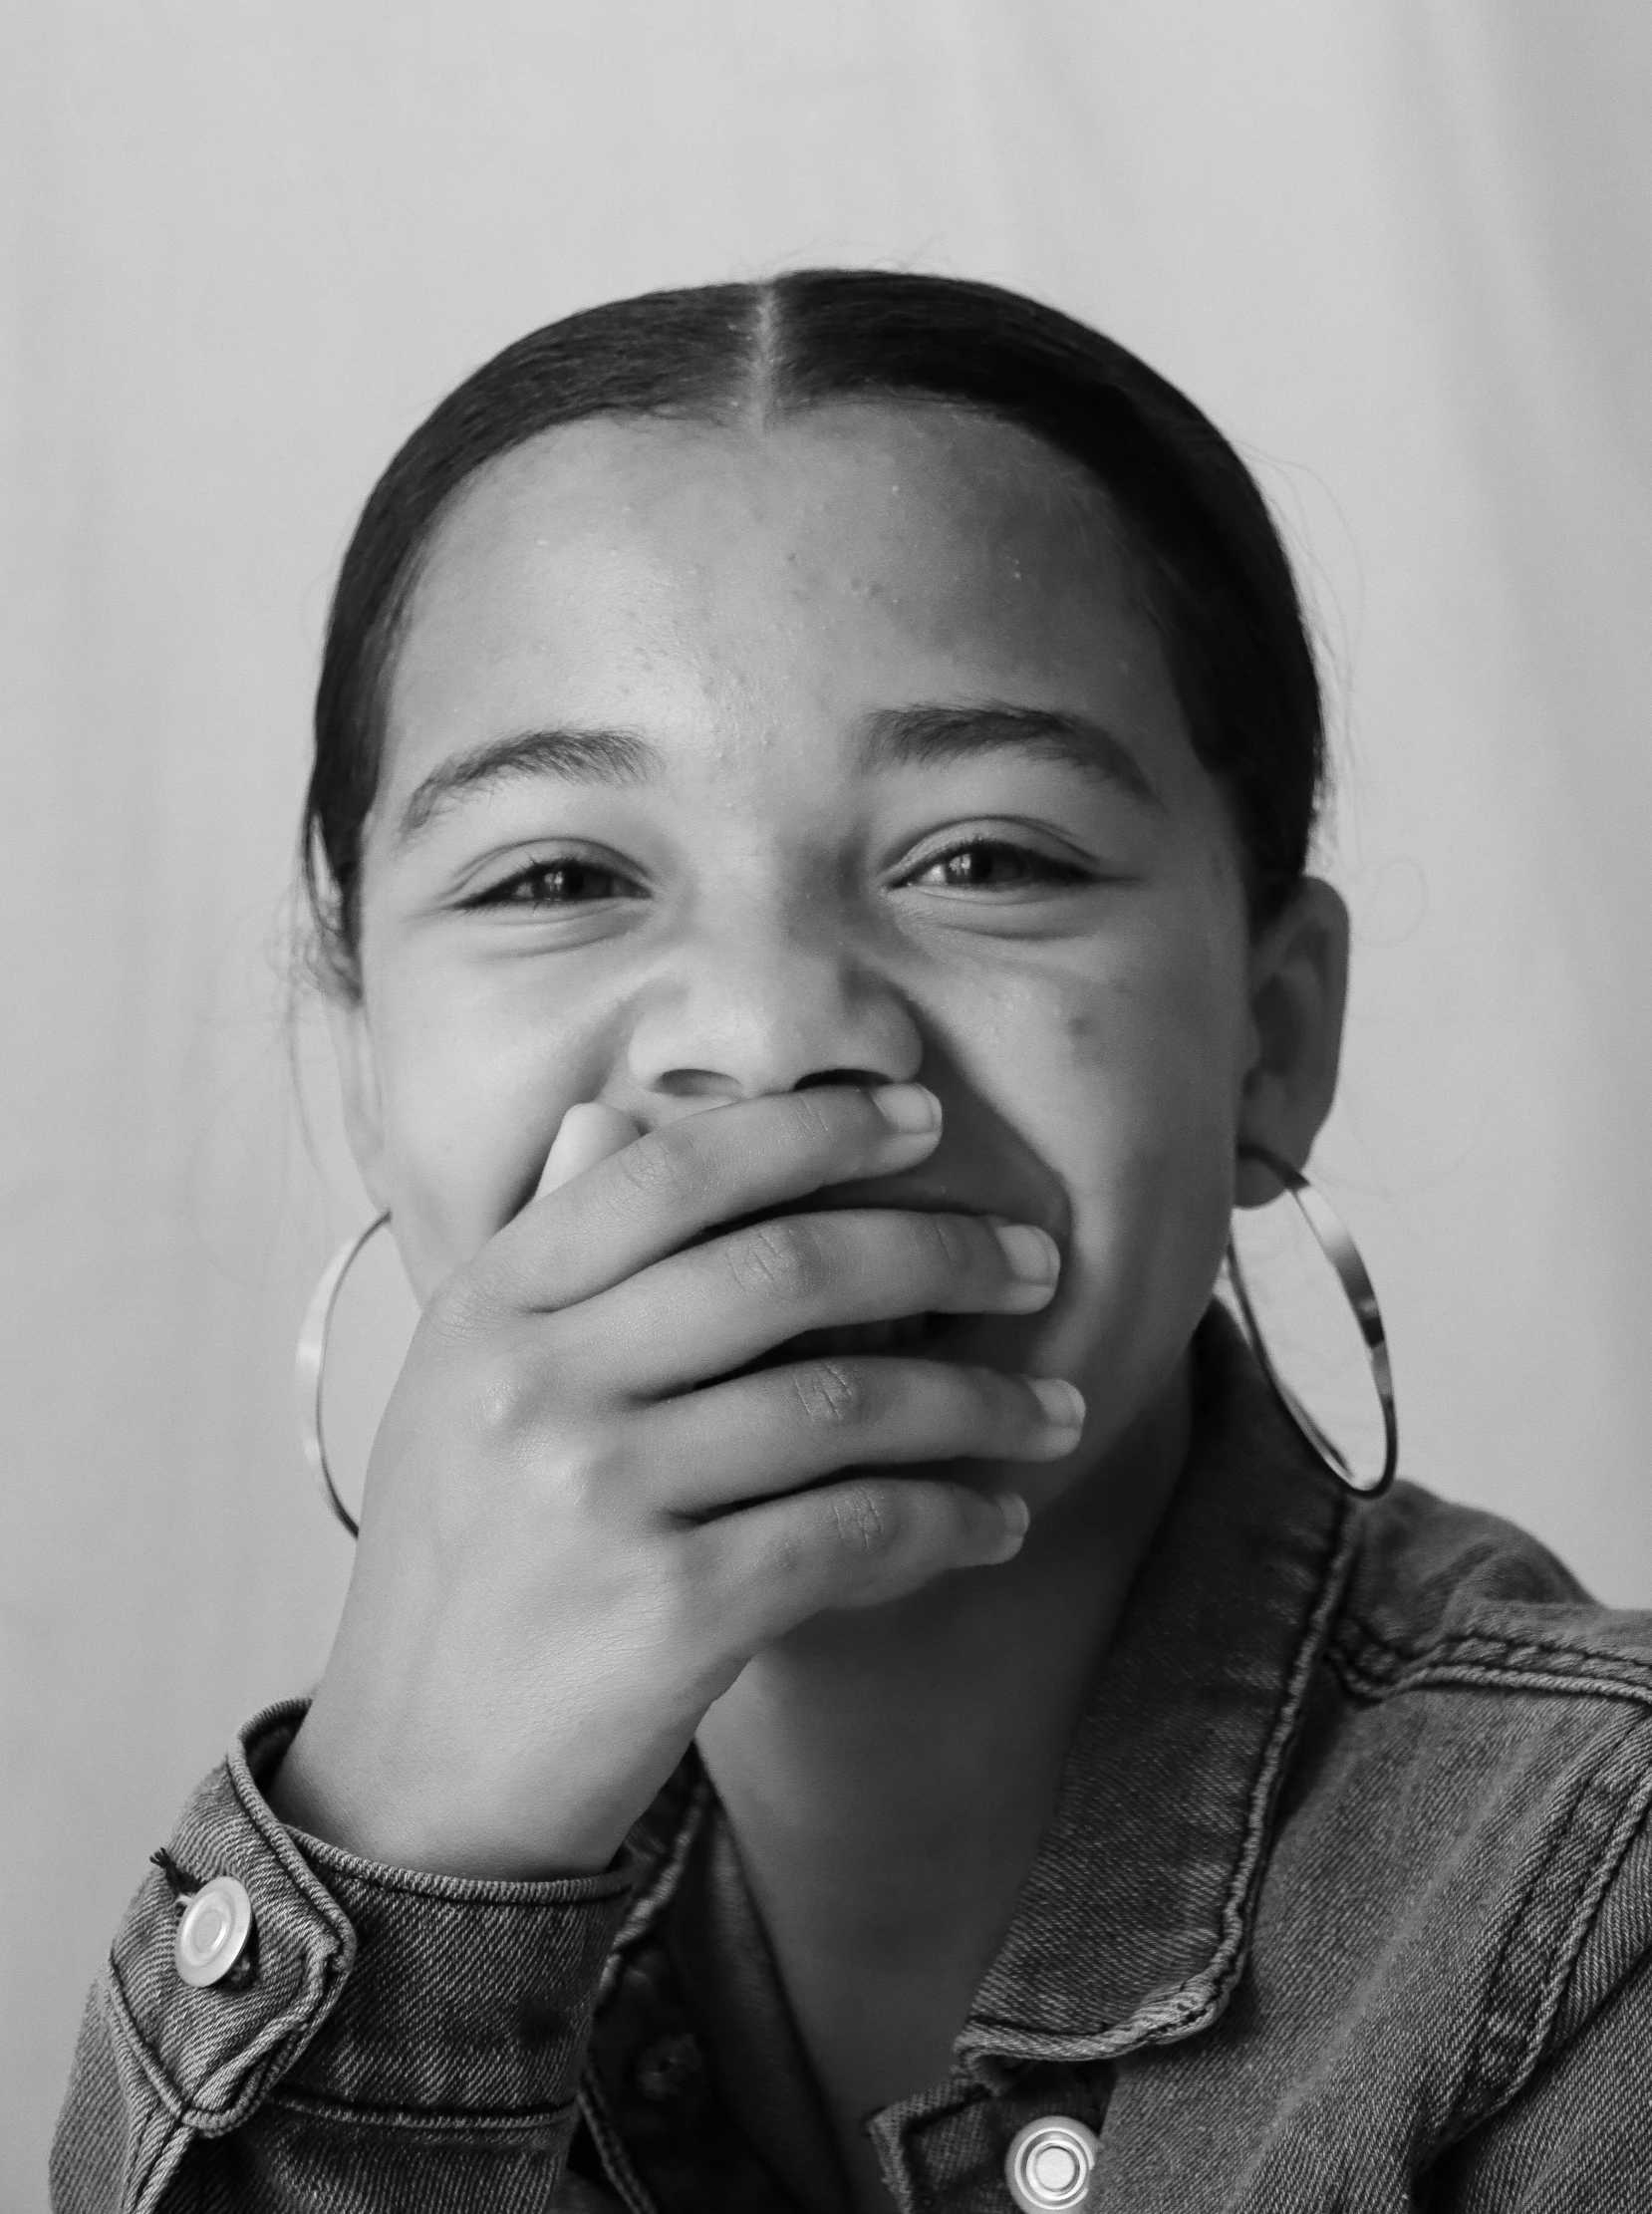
(763, 408)
(757, 391)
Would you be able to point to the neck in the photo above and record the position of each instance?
(887, 1774)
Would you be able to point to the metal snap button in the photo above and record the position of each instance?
(1049, 2164)
(213, 1931)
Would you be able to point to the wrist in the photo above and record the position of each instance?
(429, 1832)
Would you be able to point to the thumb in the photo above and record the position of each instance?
(590, 1132)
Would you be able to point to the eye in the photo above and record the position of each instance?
(565, 879)
(993, 865)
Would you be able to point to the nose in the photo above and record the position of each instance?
(764, 1010)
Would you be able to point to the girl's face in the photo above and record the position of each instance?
(720, 762)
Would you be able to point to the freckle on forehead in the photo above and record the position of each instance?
(605, 563)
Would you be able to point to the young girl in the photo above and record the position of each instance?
(855, 1691)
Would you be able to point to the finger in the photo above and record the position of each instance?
(856, 1544)
(703, 1313)
(589, 1133)
(762, 1435)
(683, 1180)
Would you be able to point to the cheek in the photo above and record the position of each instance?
(474, 1086)
(1150, 1076)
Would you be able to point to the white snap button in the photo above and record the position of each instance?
(212, 1934)
(1049, 2164)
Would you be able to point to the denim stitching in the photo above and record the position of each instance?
(1528, 1959)
(1194, 2004)
(1357, 1642)
(278, 2044)
(455, 2122)
(605, 2135)
(1481, 1675)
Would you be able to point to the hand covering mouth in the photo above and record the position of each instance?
(933, 1336)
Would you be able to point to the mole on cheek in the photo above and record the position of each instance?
(1085, 1028)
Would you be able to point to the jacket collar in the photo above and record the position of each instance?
(1133, 1923)
(1135, 1919)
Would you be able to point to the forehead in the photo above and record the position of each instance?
(845, 559)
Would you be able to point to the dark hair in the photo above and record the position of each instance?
(1214, 573)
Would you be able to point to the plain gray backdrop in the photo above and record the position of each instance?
(1399, 250)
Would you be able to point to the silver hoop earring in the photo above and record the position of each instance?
(310, 1368)
(1331, 1235)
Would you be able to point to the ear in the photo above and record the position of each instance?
(359, 1088)
(1298, 991)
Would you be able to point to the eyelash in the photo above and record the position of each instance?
(1031, 867)
(505, 892)
(1035, 866)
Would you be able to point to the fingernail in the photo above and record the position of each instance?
(909, 1108)
(1016, 1511)
(1032, 1254)
(1063, 1402)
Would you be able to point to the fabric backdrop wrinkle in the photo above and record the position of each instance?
(1399, 250)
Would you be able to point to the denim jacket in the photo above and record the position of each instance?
(1346, 1904)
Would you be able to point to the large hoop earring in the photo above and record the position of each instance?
(310, 1368)
(1332, 1236)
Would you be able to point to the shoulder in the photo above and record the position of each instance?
(1442, 1596)
(1484, 1756)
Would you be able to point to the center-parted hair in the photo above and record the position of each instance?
(1204, 547)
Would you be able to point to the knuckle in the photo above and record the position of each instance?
(502, 1399)
(865, 1519)
(782, 1260)
(830, 1394)
(661, 1170)
(583, 1477)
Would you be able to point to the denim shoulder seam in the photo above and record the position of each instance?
(1372, 1667)
(1545, 1937)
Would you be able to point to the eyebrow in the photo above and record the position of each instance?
(574, 756)
(892, 737)
(925, 737)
